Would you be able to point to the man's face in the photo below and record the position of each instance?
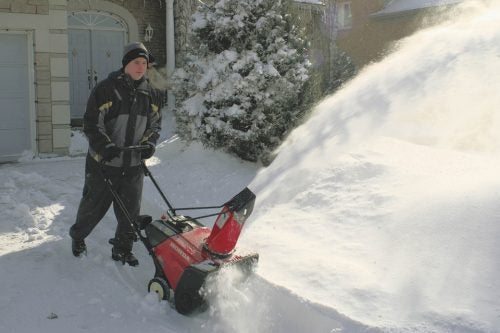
(136, 68)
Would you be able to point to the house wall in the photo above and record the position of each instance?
(46, 21)
(371, 38)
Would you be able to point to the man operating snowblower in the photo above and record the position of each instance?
(123, 110)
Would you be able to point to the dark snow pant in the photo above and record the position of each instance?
(97, 199)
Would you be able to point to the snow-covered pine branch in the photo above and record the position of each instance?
(241, 85)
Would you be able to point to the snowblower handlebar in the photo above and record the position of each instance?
(236, 204)
(135, 148)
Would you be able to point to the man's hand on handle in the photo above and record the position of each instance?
(110, 152)
(149, 151)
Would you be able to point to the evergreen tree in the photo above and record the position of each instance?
(241, 86)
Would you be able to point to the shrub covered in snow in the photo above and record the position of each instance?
(241, 86)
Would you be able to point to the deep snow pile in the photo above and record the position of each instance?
(380, 213)
(387, 199)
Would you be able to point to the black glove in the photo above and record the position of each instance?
(110, 151)
(147, 153)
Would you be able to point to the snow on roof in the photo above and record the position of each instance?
(314, 2)
(398, 6)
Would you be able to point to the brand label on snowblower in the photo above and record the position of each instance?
(179, 251)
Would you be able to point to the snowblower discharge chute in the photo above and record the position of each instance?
(185, 251)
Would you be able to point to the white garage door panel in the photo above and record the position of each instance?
(15, 127)
(12, 85)
(10, 148)
(17, 46)
(12, 115)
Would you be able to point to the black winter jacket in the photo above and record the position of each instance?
(123, 112)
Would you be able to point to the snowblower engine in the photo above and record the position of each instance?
(185, 251)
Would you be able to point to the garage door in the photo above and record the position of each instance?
(15, 122)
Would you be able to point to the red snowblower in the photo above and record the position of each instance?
(184, 251)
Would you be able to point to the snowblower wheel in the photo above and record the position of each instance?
(159, 286)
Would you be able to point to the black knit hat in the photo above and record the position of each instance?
(132, 51)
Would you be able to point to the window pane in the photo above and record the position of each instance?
(344, 15)
(94, 20)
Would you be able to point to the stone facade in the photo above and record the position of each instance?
(25, 6)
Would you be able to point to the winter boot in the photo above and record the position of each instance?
(78, 246)
(124, 256)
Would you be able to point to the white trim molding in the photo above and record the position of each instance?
(108, 7)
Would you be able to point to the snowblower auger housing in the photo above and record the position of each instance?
(187, 251)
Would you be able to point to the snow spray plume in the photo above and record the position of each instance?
(445, 100)
(440, 88)
(436, 95)
(234, 302)
(159, 78)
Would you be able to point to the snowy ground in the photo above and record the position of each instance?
(380, 214)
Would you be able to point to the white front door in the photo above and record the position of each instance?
(15, 113)
(96, 43)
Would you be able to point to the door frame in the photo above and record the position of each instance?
(31, 89)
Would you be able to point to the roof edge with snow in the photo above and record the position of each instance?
(403, 7)
(311, 2)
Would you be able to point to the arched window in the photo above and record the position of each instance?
(95, 20)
